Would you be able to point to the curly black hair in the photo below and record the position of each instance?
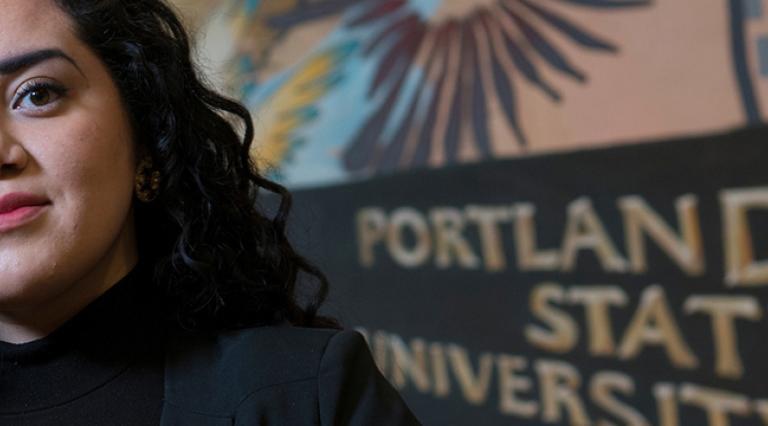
(221, 262)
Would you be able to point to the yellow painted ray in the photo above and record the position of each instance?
(278, 119)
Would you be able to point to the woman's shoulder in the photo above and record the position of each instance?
(281, 372)
(249, 359)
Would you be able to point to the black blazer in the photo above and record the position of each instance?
(278, 376)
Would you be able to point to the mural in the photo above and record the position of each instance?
(536, 211)
(345, 89)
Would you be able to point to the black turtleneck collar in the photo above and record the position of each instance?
(102, 349)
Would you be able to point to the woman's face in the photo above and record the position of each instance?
(67, 164)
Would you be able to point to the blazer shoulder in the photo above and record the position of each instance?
(214, 373)
(278, 375)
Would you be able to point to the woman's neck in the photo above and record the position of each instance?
(35, 320)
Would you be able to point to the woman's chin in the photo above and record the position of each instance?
(20, 291)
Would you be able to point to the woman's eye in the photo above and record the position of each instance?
(38, 96)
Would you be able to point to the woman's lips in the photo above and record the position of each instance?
(18, 209)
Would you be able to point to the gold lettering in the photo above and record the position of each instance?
(653, 323)
(563, 333)
(685, 249)
(601, 390)
(666, 403)
(761, 407)
(717, 404)
(409, 362)
(474, 386)
(585, 231)
(442, 385)
(740, 265)
(529, 257)
(380, 342)
(559, 383)
(406, 217)
(596, 301)
(723, 311)
(511, 383)
(371, 229)
(487, 219)
(448, 224)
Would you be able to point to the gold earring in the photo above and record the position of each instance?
(147, 183)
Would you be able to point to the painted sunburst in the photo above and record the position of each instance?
(462, 62)
(444, 69)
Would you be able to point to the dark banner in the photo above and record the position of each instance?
(621, 286)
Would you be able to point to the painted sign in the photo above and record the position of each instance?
(537, 211)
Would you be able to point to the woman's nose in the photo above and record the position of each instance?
(13, 156)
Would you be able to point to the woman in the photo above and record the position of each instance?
(139, 284)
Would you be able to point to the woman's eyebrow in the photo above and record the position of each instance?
(16, 63)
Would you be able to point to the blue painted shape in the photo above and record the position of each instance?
(753, 9)
(762, 55)
(251, 6)
(425, 8)
(739, 49)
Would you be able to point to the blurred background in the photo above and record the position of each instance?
(538, 212)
